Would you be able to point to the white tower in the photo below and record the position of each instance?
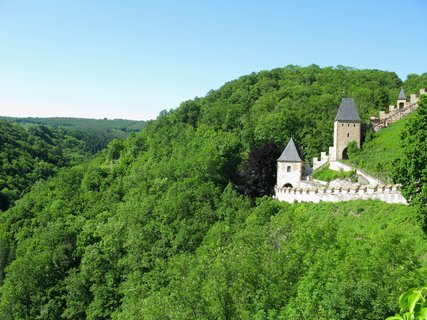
(290, 167)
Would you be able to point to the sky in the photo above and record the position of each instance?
(132, 59)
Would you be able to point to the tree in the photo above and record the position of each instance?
(413, 305)
(259, 173)
(411, 169)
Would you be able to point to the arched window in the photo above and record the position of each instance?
(287, 185)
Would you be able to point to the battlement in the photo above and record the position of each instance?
(324, 158)
(397, 112)
(387, 193)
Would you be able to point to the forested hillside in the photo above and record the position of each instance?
(28, 155)
(96, 133)
(154, 227)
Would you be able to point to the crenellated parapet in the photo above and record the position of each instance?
(386, 193)
(324, 158)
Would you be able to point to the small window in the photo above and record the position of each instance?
(342, 125)
(348, 135)
(348, 124)
(288, 169)
(354, 125)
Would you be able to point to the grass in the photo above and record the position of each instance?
(378, 155)
(326, 174)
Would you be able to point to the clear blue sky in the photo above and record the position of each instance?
(132, 59)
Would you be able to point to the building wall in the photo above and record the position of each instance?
(293, 176)
(344, 133)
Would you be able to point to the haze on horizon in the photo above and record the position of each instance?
(132, 59)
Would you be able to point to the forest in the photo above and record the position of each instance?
(177, 221)
(95, 133)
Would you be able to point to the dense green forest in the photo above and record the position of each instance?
(96, 133)
(162, 225)
(28, 155)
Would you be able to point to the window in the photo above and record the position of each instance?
(348, 135)
(288, 169)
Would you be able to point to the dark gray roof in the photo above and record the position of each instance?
(347, 111)
(402, 95)
(290, 154)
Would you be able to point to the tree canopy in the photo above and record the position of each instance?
(154, 227)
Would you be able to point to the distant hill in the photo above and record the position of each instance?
(83, 123)
(30, 154)
(96, 133)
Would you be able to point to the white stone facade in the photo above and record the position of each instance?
(289, 173)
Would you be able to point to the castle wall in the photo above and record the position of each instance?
(337, 166)
(344, 133)
(388, 194)
(395, 113)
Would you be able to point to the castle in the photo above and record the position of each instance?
(294, 182)
(402, 108)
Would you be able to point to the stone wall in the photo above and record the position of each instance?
(344, 133)
(337, 166)
(395, 113)
(386, 193)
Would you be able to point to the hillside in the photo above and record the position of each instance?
(96, 133)
(154, 226)
(83, 123)
(378, 155)
(28, 155)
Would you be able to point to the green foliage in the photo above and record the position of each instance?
(83, 124)
(379, 155)
(413, 305)
(153, 227)
(95, 133)
(411, 168)
(28, 155)
(415, 82)
(326, 174)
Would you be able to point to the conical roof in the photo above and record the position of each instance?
(347, 111)
(402, 95)
(290, 154)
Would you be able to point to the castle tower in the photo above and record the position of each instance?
(290, 167)
(401, 100)
(347, 128)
